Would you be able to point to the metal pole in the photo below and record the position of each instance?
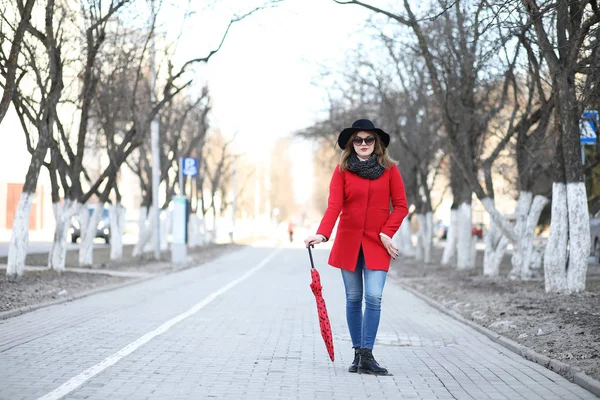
(181, 184)
(154, 128)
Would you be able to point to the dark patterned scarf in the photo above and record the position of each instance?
(370, 169)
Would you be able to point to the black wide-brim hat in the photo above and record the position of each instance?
(359, 126)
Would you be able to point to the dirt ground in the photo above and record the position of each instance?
(36, 287)
(563, 327)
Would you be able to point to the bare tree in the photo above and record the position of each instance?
(9, 65)
(183, 127)
(408, 112)
(37, 113)
(218, 167)
(566, 32)
(68, 160)
(456, 49)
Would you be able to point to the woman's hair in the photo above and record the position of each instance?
(380, 152)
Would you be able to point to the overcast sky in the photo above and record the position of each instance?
(262, 80)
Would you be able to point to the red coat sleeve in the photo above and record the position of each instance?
(334, 203)
(398, 194)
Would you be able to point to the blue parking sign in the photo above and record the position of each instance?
(189, 166)
(588, 127)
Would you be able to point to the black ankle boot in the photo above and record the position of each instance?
(354, 366)
(368, 365)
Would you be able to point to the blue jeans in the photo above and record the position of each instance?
(363, 328)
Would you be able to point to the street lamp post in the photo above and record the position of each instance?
(154, 130)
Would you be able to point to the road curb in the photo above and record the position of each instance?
(570, 372)
(25, 309)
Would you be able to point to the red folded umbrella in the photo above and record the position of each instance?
(322, 309)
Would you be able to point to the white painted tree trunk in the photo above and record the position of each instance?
(526, 256)
(495, 247)
(425, 236)
(451, 238)
(520, 271)
(204, 231)
(117, 229)
(419, 254)
(19, 238)
(165, 230)
(428, 236)
(194, 239)
(89, 225)
(403, 239)
(525, 259)
(555, 256)
(213, 233)
(145, 222)
(62, 214)
(579, 236)
(465, 239)
(531, 258)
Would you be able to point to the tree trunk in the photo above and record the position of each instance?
(555, 256)
(213, 232)
(425, 236)
(519, 270)
(89, 225)
(525, 257)
(465, 239)
(495, 247)
(522, 235)
(204, 232)
(145, 222)
(19, 238)
(568, 248)
(117, 228)
(165, 229)
(579, 236)
(194, 239)
(451, 238)
(419, 251)
(62, 214)
(403, 239)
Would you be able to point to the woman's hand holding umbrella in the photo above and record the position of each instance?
(314, 239)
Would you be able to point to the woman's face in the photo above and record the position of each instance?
(364, 144)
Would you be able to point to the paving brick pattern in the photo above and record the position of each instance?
(259, 340)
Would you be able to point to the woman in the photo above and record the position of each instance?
(361, 188)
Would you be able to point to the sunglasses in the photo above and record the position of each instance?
(357, 141)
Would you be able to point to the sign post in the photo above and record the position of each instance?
(187, 167)
(588, 130)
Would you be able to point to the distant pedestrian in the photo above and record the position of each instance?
(291, 226)
(361, 188)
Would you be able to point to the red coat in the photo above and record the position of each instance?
(365, 212)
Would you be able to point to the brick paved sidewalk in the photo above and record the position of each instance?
(258, 339)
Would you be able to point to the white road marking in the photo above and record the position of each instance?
(86, 375)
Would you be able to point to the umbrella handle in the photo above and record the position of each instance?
(312, 264)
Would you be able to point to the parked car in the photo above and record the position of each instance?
(102, 230)
(595, 236)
